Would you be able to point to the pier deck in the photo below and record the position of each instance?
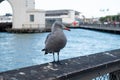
(104, 28)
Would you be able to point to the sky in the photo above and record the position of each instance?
(88, 8)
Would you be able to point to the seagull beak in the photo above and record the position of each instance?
(66, 28)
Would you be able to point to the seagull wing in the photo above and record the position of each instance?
(46, 42)
(47, 37)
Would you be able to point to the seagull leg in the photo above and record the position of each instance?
(58, 59)
(58, 56)
(53, 57)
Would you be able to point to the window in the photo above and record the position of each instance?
(56, 14)
(31, 18)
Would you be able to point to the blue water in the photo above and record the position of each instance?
(22, 50)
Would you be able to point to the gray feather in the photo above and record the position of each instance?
(56, 40)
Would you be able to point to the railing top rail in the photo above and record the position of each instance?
(84, 68)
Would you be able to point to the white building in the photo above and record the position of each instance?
(25, 15)
(36, 18)
(6, 18)
(66, 16)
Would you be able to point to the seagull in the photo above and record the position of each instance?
(56, 40)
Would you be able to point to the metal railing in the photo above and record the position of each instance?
(33, 26)
(103, 77)
(102, 25)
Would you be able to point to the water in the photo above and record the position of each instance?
(22, 50)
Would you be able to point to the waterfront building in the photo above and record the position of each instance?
(48, 17)
(25, 15)
(6, 18)
(67, 16)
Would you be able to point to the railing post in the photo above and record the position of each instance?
(115, 75)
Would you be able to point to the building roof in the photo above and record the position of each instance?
(65, 11)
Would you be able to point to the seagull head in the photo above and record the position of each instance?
(59, 25)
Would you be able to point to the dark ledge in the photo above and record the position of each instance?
(81, 68)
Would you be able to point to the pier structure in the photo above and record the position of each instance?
(101, 27)
(99, 66)
(25, 15)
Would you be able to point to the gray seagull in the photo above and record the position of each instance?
(56, 40)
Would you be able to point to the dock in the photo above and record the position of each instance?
(27, 30)
(4, 26)
(7, 27)
(80, 68)
(103, 28)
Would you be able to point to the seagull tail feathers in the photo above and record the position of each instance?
(45, 51)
